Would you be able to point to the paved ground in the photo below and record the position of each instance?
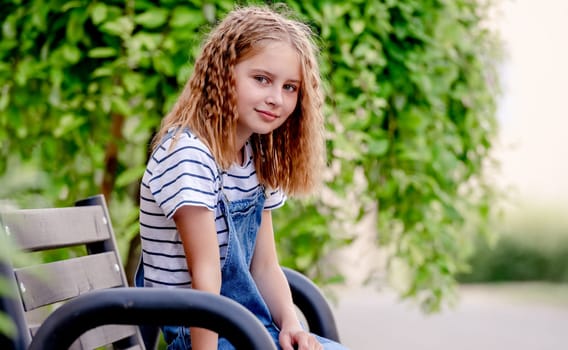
(489, 318)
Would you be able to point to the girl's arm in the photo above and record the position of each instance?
(196, 227)
(275, 290)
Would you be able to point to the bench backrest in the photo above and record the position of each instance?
(93, 263)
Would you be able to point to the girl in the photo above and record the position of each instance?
(245, 133)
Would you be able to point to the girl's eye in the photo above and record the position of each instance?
(290, 87)
(261, 79)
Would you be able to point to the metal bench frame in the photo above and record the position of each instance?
(96, 297)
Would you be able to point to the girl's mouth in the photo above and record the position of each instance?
(267, 114)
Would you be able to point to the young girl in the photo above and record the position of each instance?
(245, 133)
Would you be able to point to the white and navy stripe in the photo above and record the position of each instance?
(187, 175)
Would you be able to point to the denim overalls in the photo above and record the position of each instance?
(243, 221)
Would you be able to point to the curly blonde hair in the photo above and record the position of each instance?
(292, 156)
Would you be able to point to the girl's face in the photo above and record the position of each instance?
(267, 85)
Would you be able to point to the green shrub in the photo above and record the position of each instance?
(531, 247)
(411, 90)
(512, 260)
(7, 326)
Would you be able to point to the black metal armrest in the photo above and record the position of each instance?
(313, 305)
(152, 306)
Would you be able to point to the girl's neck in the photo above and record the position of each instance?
(241, 156)
(241, 141)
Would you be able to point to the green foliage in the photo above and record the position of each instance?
(513, 260)
(410, 116)
(411, 101)
(7, 326)
(532, 246)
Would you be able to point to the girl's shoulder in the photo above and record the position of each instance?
(182, 144)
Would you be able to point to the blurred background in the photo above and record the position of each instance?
(516, 296)
(456, 233)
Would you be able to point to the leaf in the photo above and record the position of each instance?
(9, 30)
(67, 122)
(133, 82)
(71, 5)
(99, 12)
(75, 27)
(103, 71)
(122, 27)
(209, 12)
(184, 17)
(152, 18)
(377, 148)
(7, 326)
(102, 52)
(4, 97)
(71, 53)
(163, 64)
(120, 106)
(130, 176)
(149, 41)
(357, 26)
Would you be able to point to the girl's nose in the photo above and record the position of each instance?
(274, 98)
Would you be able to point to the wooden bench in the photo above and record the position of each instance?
(84, 301)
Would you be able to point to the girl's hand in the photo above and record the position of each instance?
(298, 339)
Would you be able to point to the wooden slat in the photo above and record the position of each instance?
(97, 337)
(49, 228)
(103, 335)
(100, 336)
(53, 282)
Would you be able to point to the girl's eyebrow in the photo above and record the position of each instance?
(269, 74)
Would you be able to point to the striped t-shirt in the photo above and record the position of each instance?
(187, 175)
